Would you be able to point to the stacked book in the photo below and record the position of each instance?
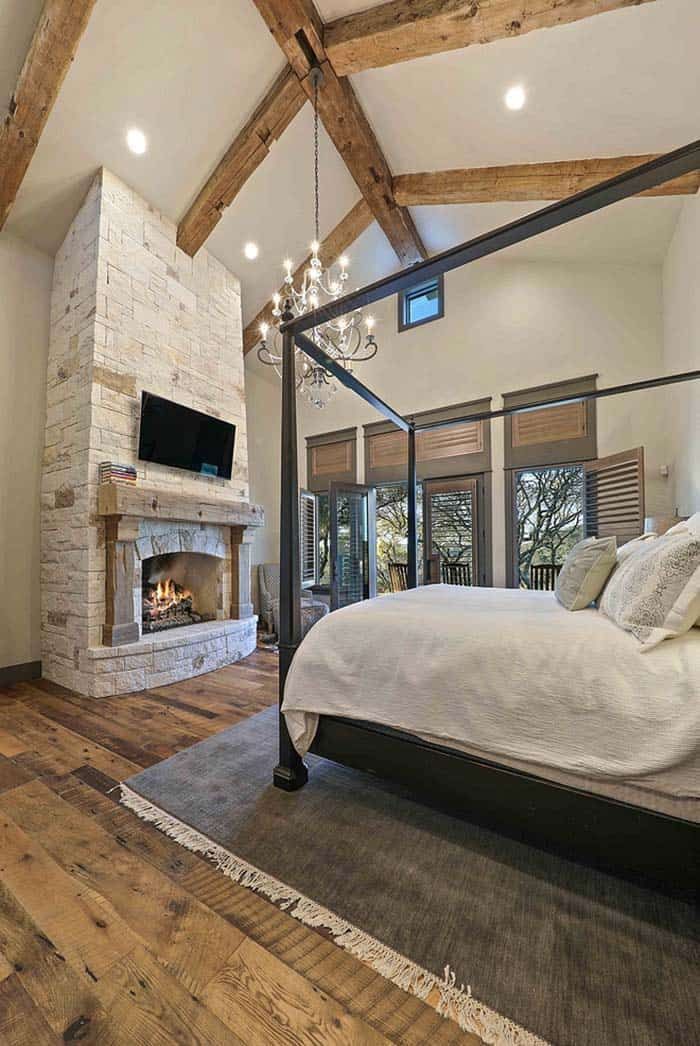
(112, 472)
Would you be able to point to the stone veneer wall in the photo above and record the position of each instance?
(129, 311)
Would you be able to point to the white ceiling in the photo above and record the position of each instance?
(630, 232)
(191, 74)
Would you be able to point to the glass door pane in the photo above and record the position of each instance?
(451, 530)
(353, 543)
(548, 505)
(392, 533)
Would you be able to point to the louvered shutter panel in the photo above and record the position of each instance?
(387, 450)
(460, 448)
(331, 458)
(309, 538)
(555, 435)
(454, 442)
(550, 424)
(614, 496)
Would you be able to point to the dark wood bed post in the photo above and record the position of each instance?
(412, 528)
(291, 772)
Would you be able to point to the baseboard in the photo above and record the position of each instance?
(20, 673)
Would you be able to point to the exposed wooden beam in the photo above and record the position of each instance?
(247, 151)
(405, 29)
(55, 41)
(530, 181)
(336, 243)
(297, 28)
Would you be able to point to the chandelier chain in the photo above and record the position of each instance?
(316, 178)
(341, 338)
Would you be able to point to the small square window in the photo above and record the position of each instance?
(422, 303)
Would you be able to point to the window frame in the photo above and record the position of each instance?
(403, 297)
(483, 543)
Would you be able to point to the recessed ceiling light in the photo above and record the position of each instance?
(515, 97)
(136, 140)
(251, 250)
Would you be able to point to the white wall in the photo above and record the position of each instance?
(25, 290)
(263, 405)
(510, 325)
(681, 304)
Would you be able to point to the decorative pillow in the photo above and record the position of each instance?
(693, 525)
(630, 547)
(655, 593)
(585, 571)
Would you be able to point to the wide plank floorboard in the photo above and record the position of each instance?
(111, 933)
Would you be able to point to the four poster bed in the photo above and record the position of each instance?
(543, 724)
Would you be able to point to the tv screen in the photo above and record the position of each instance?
(183, 438)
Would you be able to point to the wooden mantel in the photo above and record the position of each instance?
(122, 499)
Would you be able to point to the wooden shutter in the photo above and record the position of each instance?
(308, 534)
(614, 496)
(387, 451)
(550, 424)
(331, 457)
(555, 435)
(460, 449)
(456, 442)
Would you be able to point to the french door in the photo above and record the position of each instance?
(452, 526)
(353, 543)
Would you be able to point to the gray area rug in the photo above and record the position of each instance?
(573, 955)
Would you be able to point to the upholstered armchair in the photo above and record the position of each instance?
(269, 586)
(269, 583)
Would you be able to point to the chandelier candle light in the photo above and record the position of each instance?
(343, 338)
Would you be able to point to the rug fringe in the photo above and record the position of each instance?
(455, 1003)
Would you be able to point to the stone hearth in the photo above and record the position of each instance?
(131, 312)
(141, 524)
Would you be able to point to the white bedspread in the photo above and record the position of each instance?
(509, 673)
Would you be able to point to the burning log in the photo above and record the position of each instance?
(166, 604)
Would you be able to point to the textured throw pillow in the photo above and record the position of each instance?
(585, 571)
(630, 547)
(655, 594)
(693, 525)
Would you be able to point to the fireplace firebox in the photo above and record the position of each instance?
(178, 589)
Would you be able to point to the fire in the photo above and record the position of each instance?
(167, 604)
(167, 594)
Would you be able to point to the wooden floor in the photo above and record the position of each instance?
(112, 933)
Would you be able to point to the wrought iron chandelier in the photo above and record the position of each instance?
(342, 338)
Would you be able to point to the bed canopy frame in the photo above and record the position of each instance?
(630, 840)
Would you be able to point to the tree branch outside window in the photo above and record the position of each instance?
(549, 516)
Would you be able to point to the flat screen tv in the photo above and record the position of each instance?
(171, 434)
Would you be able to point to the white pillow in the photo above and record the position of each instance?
(655, 593)
(584, 572)
(630, 547)
(687, 526)
(693, 525)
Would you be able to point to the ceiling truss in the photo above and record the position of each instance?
(387, 33)
(404, 29)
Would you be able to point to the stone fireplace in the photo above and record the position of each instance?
(144, 584)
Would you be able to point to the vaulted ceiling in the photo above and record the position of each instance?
(620, 82)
